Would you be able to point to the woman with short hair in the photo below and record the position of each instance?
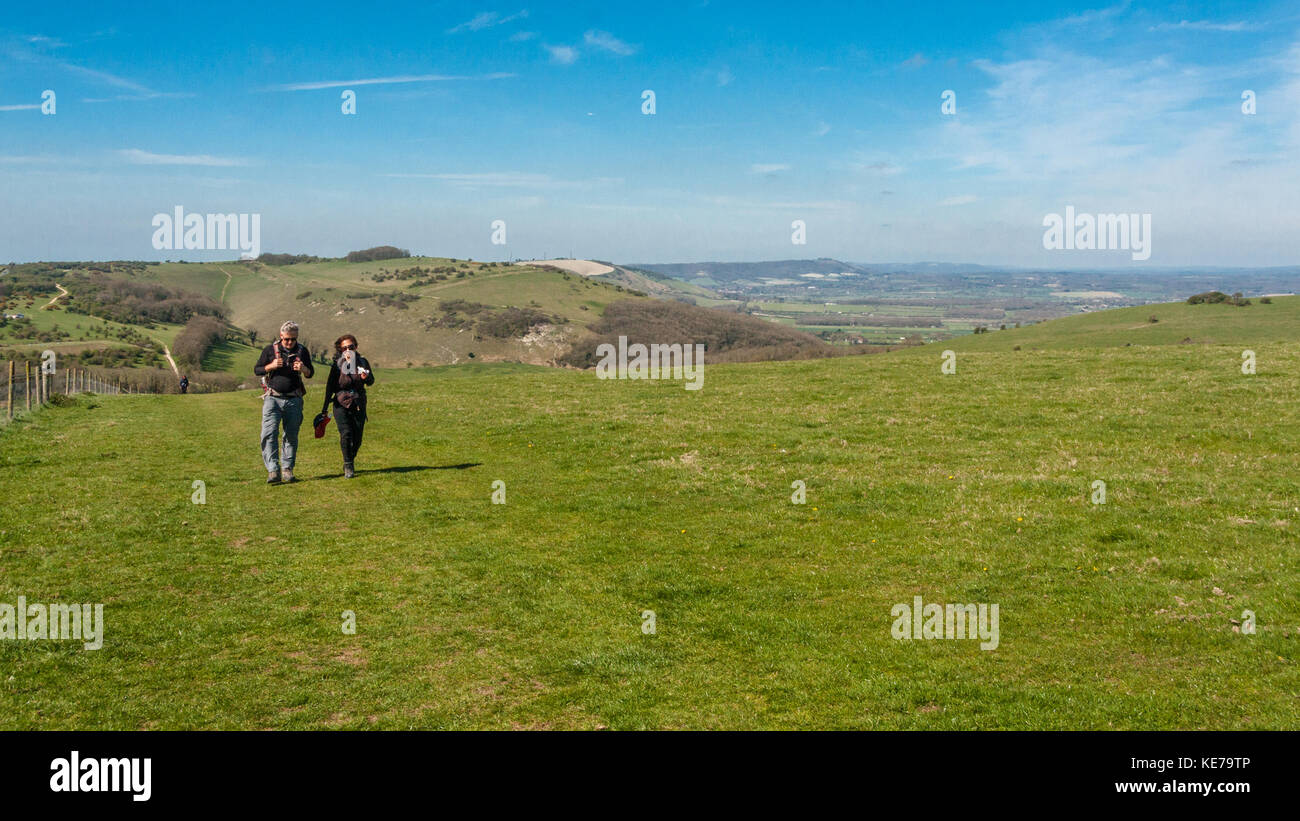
(349, 376)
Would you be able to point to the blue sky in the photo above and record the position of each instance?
(765, 114)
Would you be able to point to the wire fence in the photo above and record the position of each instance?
(26, 386)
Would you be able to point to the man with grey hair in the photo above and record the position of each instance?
(283, 363)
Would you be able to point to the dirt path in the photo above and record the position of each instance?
(167, 352)
(227, 285)
(64, 292)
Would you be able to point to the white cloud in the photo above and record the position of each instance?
(136, 156)
(607, 42)
(768, 168)
(882, 168)
(564, 55)
(509, 179)
(1204, 25)
(400, 78)
(486, 20)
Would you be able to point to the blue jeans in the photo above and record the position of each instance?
(276, 409)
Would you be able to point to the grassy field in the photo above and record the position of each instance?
(625, 496)
(1177, 322)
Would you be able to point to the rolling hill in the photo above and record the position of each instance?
(1177, 323)
(427, 318)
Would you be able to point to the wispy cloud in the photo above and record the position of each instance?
(963, 199)
(915, 61)
(877, 167)
(37, 49)
(520, 36)
(564, 55)
(136, 156)
(509, 179)
(400, 78)
(607, 42)
(1204, 25)
(724, 76)
(822, 129)
(768, 168)
(726, 201)
(1093, 15)
(111, 79)
(20, 107)
(157, 95)
(486, 20)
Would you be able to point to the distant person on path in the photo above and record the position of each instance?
(283, 363)
(185, 384)
(348, 378)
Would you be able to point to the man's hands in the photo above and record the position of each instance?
(274, 364)
(297, 364)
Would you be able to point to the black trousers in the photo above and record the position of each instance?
(352, 424)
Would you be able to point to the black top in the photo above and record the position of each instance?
(285, 379)
(339, 381)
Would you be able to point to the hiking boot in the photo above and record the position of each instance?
(273, 478)
(348, 472)
(286, 475)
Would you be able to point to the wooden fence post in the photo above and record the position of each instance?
(27, 384)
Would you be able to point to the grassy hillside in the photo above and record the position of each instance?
(332, 297)
(1177, 322)
(629, 496)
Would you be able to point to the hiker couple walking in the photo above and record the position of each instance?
(282, 366)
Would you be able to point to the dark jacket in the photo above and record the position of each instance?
(285, 379)
(340, 382)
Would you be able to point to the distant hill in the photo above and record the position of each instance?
(416, 310)
(728, 272)
(1176, 323)
(406, 311)
(726, 335)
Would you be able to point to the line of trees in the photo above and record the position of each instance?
(378, 252)
(286, 259)
(201, 333)
(136, 303)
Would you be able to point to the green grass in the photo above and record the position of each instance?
(1252, 324)
(625, 496)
